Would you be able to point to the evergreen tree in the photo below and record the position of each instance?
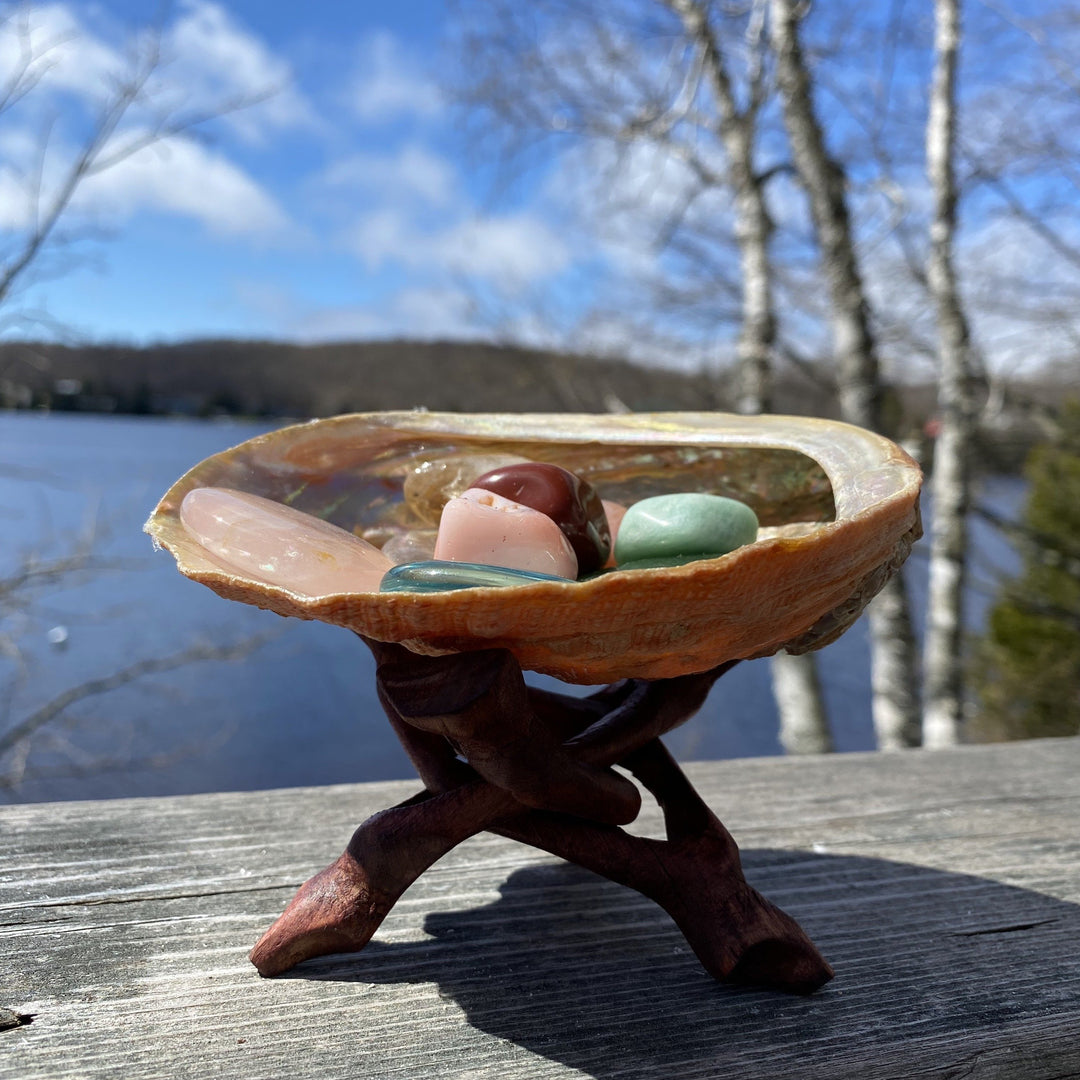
(1028, 663)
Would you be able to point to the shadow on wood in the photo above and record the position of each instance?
(568, 966)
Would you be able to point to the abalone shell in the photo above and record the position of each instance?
(838, 505)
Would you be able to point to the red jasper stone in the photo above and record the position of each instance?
(572, 503)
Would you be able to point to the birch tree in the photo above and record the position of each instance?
(893, 665)
(797, 688)
(711, 105)
(951, 481)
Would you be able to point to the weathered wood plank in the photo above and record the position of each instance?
(944, 888)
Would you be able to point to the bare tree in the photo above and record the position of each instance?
(696, 108)
(134, 113)
(626, 99)
(737, 130)
(870, 284)
(943, 656)
(797, 688)
(894, 682)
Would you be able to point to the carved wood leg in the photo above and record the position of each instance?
(479, 703)
(342, 906)
(695, 875)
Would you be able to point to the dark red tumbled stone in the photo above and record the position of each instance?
(572, 503)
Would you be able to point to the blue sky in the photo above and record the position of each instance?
(346, 205)
(350, 203)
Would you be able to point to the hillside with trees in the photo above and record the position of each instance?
(251, 378)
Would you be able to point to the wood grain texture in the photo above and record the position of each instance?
(944, 888)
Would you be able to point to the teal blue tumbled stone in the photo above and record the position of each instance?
(669, 530)
(437, 575)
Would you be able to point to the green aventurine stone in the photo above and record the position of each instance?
(440, 576)
(669, 530)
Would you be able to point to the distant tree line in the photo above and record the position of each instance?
(275, 379)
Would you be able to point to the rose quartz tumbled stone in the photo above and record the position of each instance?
(482, 527)
(274, 543)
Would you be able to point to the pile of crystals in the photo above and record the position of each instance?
(515, 523)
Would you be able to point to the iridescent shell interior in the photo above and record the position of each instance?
(838, 507)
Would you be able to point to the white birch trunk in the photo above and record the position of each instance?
(950, 483)
(894, 691)
(896, 713)
(804, 726)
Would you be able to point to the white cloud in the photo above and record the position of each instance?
(436, 312)
(517, 249)
(211, 59)
(384, 236)
(176, 176)
(388, 84)
(511, 251)
(183, 177)
(414, 171)
(60, 50)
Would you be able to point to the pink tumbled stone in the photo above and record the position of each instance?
(482, 527)
(615, 513)
(274, 543)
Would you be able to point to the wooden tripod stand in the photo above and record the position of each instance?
(535, 766)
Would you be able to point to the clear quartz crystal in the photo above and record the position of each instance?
(416, 545)
(433, 483)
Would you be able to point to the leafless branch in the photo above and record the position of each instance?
(30, 67)
(49, 712)
(105, 146)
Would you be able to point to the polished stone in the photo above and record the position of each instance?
(483, 527)
(571, 502)
(683, 527)
(274, 543)
(437, 576)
